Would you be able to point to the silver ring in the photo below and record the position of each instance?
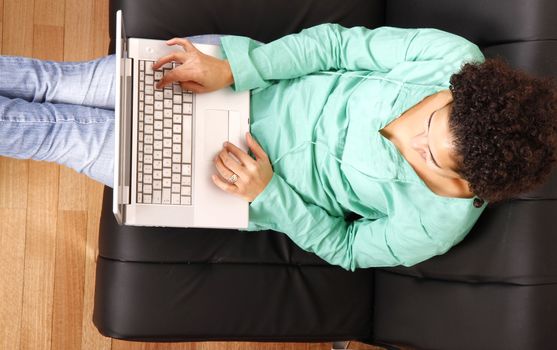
(232, 179)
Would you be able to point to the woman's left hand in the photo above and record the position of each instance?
(253, 175)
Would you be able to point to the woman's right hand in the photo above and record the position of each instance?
(195, 71)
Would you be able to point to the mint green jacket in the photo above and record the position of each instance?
(318, 101)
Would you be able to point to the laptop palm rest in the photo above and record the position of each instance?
(216, 131)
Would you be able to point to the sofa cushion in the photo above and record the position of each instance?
(262, 20)
(173, 302)
(441, 315)
(483, 22)
(196, 245)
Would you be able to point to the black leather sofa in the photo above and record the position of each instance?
(496, 290)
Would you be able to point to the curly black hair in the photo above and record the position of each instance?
(504, 127)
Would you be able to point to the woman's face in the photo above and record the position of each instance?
(434, 143)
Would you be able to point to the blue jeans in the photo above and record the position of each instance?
(62, 112)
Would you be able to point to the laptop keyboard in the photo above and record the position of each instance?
(164, 144)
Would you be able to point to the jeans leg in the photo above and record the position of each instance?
(62, 111)
(87, 83)
(78, 137)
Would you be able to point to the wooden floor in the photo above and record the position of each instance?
(49, 215)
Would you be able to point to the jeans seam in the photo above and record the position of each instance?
(57, 121)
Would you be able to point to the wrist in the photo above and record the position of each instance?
(229, 78)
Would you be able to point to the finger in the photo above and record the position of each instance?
(232, 164)
(222, 169)
(175, 56)
(168, 78)
(238, 153)
(225, 186)
(185, 43)
(255, 148)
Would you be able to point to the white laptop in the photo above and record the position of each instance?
(166, 140)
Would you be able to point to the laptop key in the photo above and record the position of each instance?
(147, 189)
(186, 137)
(147, 198)
(187, 108)
(157, 197)
(166, 196)
(175, 198)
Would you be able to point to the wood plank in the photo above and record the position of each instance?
(67, 317)
(40, 250)
(48, 42)
(12, 230)
(13, 183)
(91, 338)
(13, 193)
(100, 33)
(49, 12)
(1, 20)
(77, 34)
(17, 36)
(79, 30)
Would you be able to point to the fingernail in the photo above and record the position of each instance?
(224, 144)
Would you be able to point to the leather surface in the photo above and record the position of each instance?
(440, 315)
(483, 22)
(213, 301)
(261, 20)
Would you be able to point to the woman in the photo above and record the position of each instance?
(383, 123)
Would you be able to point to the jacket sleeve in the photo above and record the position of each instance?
(332, 47)
(387, 241)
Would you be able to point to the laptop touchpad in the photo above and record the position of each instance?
(216, 131)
